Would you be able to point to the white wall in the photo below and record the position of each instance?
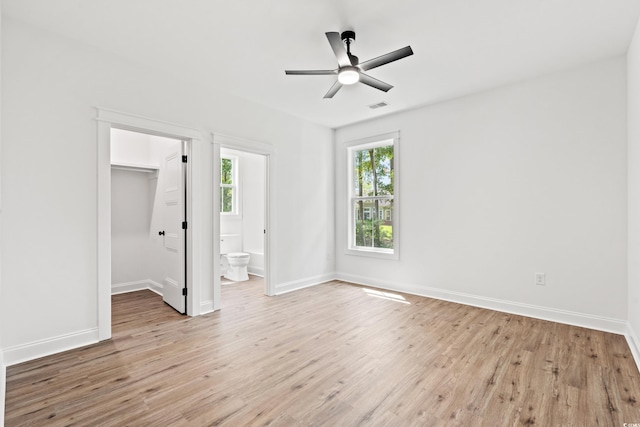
(131, 148)
(133, 197)
(633, 99)
(253, 200)
(253, 182)
(130, 226)
(51, 86)
(499, 185)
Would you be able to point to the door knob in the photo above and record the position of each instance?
(160, 233)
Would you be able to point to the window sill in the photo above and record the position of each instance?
(373, 253)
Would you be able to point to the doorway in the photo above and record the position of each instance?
(107, 120)
(148, 215)
(242, 212)
(248, 223)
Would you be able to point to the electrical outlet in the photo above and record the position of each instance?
(540, 279)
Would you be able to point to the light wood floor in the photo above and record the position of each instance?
(334, 354)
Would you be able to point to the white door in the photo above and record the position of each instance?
(174, 287)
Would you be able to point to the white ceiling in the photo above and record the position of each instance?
(244, 46)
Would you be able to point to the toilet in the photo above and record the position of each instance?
(237, 269)
(236, 262)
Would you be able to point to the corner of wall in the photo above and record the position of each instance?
(139, 285)
(634, 344)
(334, 185)
(633, 195)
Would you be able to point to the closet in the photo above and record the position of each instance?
(138, 183)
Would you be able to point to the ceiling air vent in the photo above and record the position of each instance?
(378, 105)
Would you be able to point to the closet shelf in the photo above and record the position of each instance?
(135, 167)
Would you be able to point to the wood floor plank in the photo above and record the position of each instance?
(333, 354)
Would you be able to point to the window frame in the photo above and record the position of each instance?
(235, 188)
(392, 138)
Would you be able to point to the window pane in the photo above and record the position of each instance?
(373, 223)
(384, 170)
(373, 171)
(226, 172)
(226, 199)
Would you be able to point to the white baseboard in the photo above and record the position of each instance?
(617, 326)
(283, 288)
(634, 343)
(121, 288)
(46, 347)
(258, 271)
(139, 285)
(154, 286)
(33, 350)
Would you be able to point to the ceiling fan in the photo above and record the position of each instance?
(349, 70)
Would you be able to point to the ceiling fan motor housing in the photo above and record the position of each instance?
(348, 35)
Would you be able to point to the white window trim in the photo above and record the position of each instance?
(236, 212)
(372, 142)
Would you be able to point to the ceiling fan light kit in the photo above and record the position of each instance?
(350, 70)
(348, 75)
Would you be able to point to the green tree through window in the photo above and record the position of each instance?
(373, 195)
(227, 185)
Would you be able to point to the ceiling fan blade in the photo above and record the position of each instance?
(385, 59)
(370, 81)
(338, 49)
(310, 72)
(334, 89)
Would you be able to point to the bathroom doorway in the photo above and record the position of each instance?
(242, 182)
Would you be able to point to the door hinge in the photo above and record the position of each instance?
(184, 291)
(184, 225)
(184, 159)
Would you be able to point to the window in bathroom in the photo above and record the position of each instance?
(373, 205)
(229, 185)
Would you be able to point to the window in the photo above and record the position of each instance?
(366, 213)
(228, 185)
(372, 198)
